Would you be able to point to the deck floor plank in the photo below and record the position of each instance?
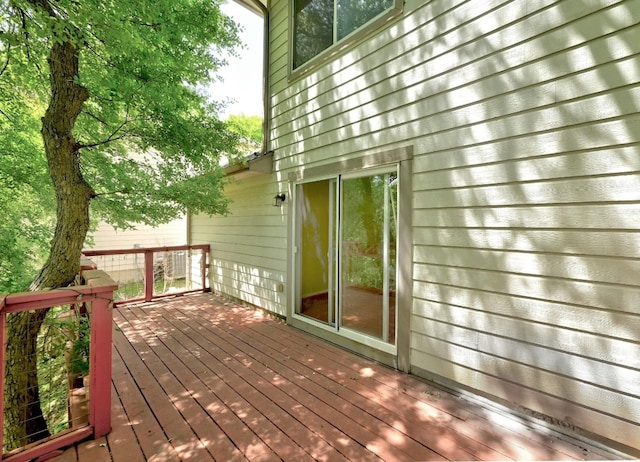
(335, 391)
(361, 393)
(148, 430)
(471, 419)
(219, 400)
(203, 378)
(243, 378)
(202, 433)
(123, 442)
(249, 356)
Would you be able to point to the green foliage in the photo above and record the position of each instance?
(124, 129)
(248, 127)
(26, 194)
(63, 351)
(146, 133)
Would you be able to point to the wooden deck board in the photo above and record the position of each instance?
(244, 379)
(211, 392)
(200, 378)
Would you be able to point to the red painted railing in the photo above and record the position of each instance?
(146, 274)
(96, 295)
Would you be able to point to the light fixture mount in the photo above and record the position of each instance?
(279, 199)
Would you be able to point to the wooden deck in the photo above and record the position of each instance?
(199, 378)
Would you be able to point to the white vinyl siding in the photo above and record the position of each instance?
(524, 120)
(105, 237)
(248, 246)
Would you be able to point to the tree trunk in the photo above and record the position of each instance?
(24, 422)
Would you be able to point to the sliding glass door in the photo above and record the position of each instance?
(347, 232)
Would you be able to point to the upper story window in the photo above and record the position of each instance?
(318, 24)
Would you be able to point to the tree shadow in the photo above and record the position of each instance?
(524, 122)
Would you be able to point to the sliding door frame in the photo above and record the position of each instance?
(399, 355)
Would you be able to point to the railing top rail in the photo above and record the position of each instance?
(98, 283)
(91, 253)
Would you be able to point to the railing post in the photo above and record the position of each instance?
(3, 323)
(148, 275)
(100, 364)
(203, 267)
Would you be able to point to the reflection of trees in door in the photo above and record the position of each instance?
(363, 289)
(368, 242)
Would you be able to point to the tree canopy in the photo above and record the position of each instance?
(147, 139)
(100, 108)
(249, 128)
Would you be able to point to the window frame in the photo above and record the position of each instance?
(340, 46)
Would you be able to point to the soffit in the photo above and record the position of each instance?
(253, 5)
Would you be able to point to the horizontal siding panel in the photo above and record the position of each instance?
(603, 424)
(248, 249)
(588, 294)
(251, 260)
(584, 268)
(475, 74)
(526, 334)
(239, 232)
(591, 137)
(265, 302)
(598, 374)
(596, 189)
(106, 237)
(227, 240)
(601, 162)
(620, 132)
(275, 221)
(465, 105)
(574, 216)
(261, 277)
(619, 405)
(450, 302)
(438, 43)
(258, 184)
(245, 282)
(579, 242)
(444, 133)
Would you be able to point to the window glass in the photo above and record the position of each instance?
(352, 14)
(313, 28)
(318, 24)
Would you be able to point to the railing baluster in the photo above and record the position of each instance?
(148, 275)
(203, 267)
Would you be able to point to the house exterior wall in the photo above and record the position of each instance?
(524, 122)
(130, 267)
(106, 237)
(248, 246)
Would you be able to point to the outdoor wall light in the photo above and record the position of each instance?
(279, 199)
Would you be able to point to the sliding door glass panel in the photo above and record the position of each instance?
(317, 250)
(367, 250)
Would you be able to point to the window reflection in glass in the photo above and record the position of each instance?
(352, 14)
(313, 28)
(318, 24)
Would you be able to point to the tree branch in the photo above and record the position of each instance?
(111, 137)
(101, 143)
(6, 63)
